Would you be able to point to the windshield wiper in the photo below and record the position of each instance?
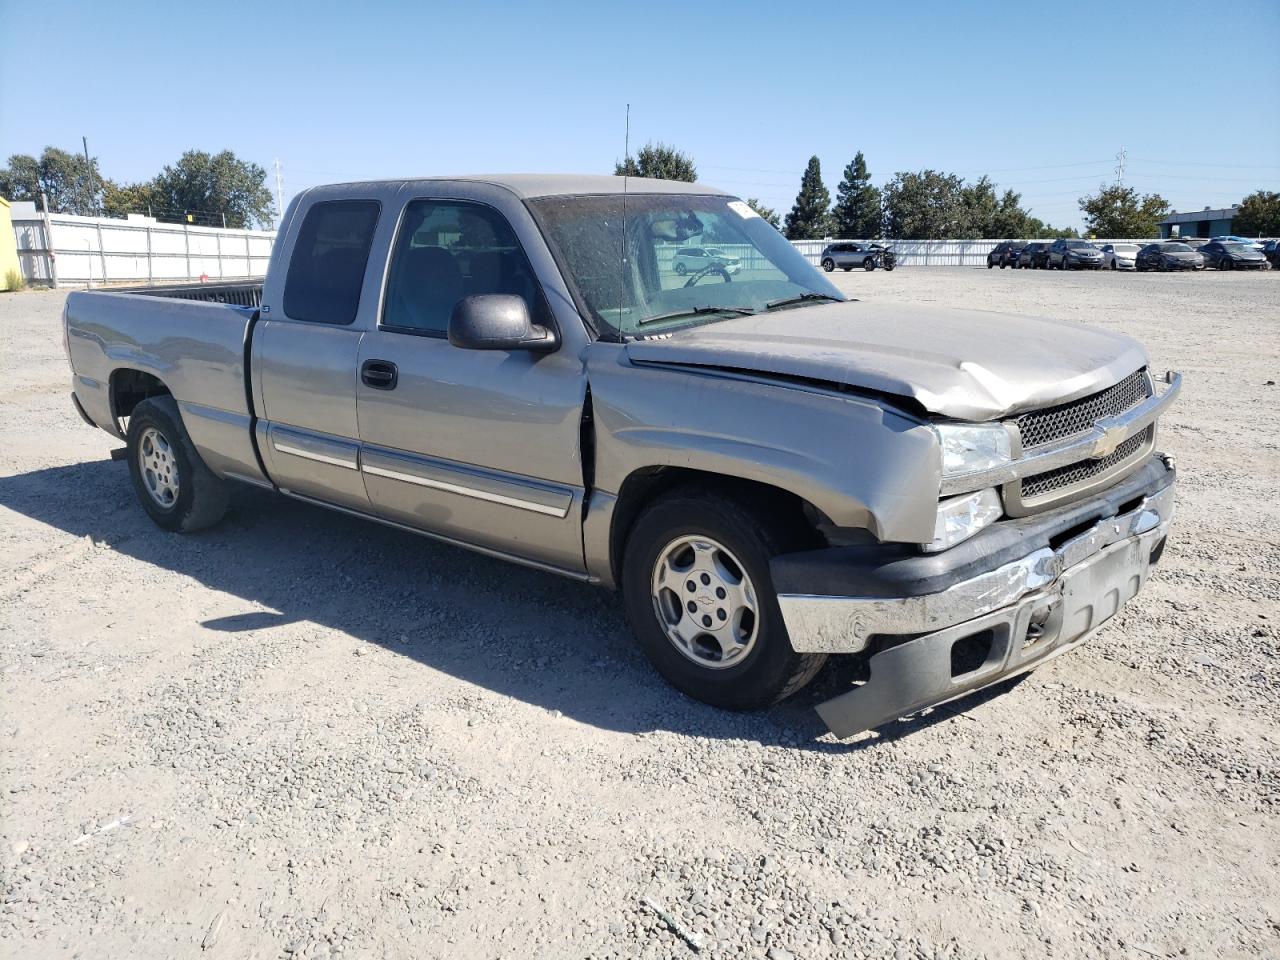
(803, 298)
(697, 311)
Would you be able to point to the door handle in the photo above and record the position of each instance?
(379, 374)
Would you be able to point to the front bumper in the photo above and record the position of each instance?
(1016, 611)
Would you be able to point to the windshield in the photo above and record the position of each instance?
(1080, 245)
(1125, 248)
(650, 291)
(1237, 248)
(1176, 248)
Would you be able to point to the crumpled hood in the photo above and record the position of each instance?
(966, 364)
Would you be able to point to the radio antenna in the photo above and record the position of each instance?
(626, 171)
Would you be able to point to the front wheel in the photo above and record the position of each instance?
(173, 484)
(868, 264)
(828, 265)
(698, 595)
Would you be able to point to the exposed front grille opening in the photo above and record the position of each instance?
(970, 653)
(1069, 419)
(1082, 472)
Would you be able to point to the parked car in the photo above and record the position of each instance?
(1074, 255)
(1271, 250)
(849, 254)
(1247, 241)
(1228, 255)
(698, 259)
(769, 472)
(1005, 254)
(1034, 256)
(1168, 255)
(1119, 256)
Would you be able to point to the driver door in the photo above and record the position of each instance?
(476, 446)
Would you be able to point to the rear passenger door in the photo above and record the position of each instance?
(304, 357)
(480, 446)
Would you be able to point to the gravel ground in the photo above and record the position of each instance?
(300, 735)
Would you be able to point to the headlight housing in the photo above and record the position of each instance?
(971, 447)
(959, 518)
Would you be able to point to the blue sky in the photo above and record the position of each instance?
(1041, 100)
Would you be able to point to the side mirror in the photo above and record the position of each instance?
(497, 321)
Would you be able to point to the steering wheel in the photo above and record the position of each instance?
(710, 268)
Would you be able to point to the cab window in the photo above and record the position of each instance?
(449, 249)
(326, 268)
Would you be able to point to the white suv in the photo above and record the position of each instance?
(696, 259)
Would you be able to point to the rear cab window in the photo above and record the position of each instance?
(326, 268)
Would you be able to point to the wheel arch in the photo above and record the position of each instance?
(128, 387)
(647, 485)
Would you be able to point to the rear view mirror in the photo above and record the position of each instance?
(497, 321)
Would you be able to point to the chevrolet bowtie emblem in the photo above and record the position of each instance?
(1106, 444)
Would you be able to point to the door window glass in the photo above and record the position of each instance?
(329, 258)
(446, 250)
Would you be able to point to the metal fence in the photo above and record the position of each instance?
(59, 249)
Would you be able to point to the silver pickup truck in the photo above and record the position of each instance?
(769, 472)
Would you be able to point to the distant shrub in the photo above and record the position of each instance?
(13, 280)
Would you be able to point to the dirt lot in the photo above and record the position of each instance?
(299, 734)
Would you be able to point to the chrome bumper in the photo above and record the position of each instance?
(1027, 611)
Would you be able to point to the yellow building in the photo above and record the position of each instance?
(8, 248)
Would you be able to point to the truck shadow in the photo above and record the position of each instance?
(545, 640)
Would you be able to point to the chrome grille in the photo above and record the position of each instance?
(1084, 471)
(1069, 419)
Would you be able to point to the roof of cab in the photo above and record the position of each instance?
(533, 185)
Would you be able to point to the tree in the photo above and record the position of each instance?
(71, 184)
(122, 199)
(1118, 211)
(926, 205)
(1258, 214)
(809, 218)
(981, 208)
(856, 214)
(766, 213)
(660, 161)
(210, 187)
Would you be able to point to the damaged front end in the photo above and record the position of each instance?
(938, 627)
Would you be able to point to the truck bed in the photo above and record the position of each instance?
(195, 348)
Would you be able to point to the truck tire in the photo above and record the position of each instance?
(173, 484)
(700, 601)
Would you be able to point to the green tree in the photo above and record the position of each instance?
(809, 218)
(768, 214)
(659, 161)
(1118, 211)
(211, 186)
(856, 214)
(71, 184)
(1258, 215)
(122, 199)
(981, 207)
(926, 205)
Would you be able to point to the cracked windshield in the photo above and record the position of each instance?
(688, 261)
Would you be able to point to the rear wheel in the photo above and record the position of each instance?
(173, 484)
(681, 269)
(1226, 263)
(828, 264)
(698, 595)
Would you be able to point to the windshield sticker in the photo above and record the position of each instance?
(742, 210)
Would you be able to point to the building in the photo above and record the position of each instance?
(10, 271)
(1202, 223)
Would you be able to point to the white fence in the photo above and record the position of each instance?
(65, 250)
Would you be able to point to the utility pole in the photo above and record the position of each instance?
(1120, 159)
(88, 177)
(279, 195)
